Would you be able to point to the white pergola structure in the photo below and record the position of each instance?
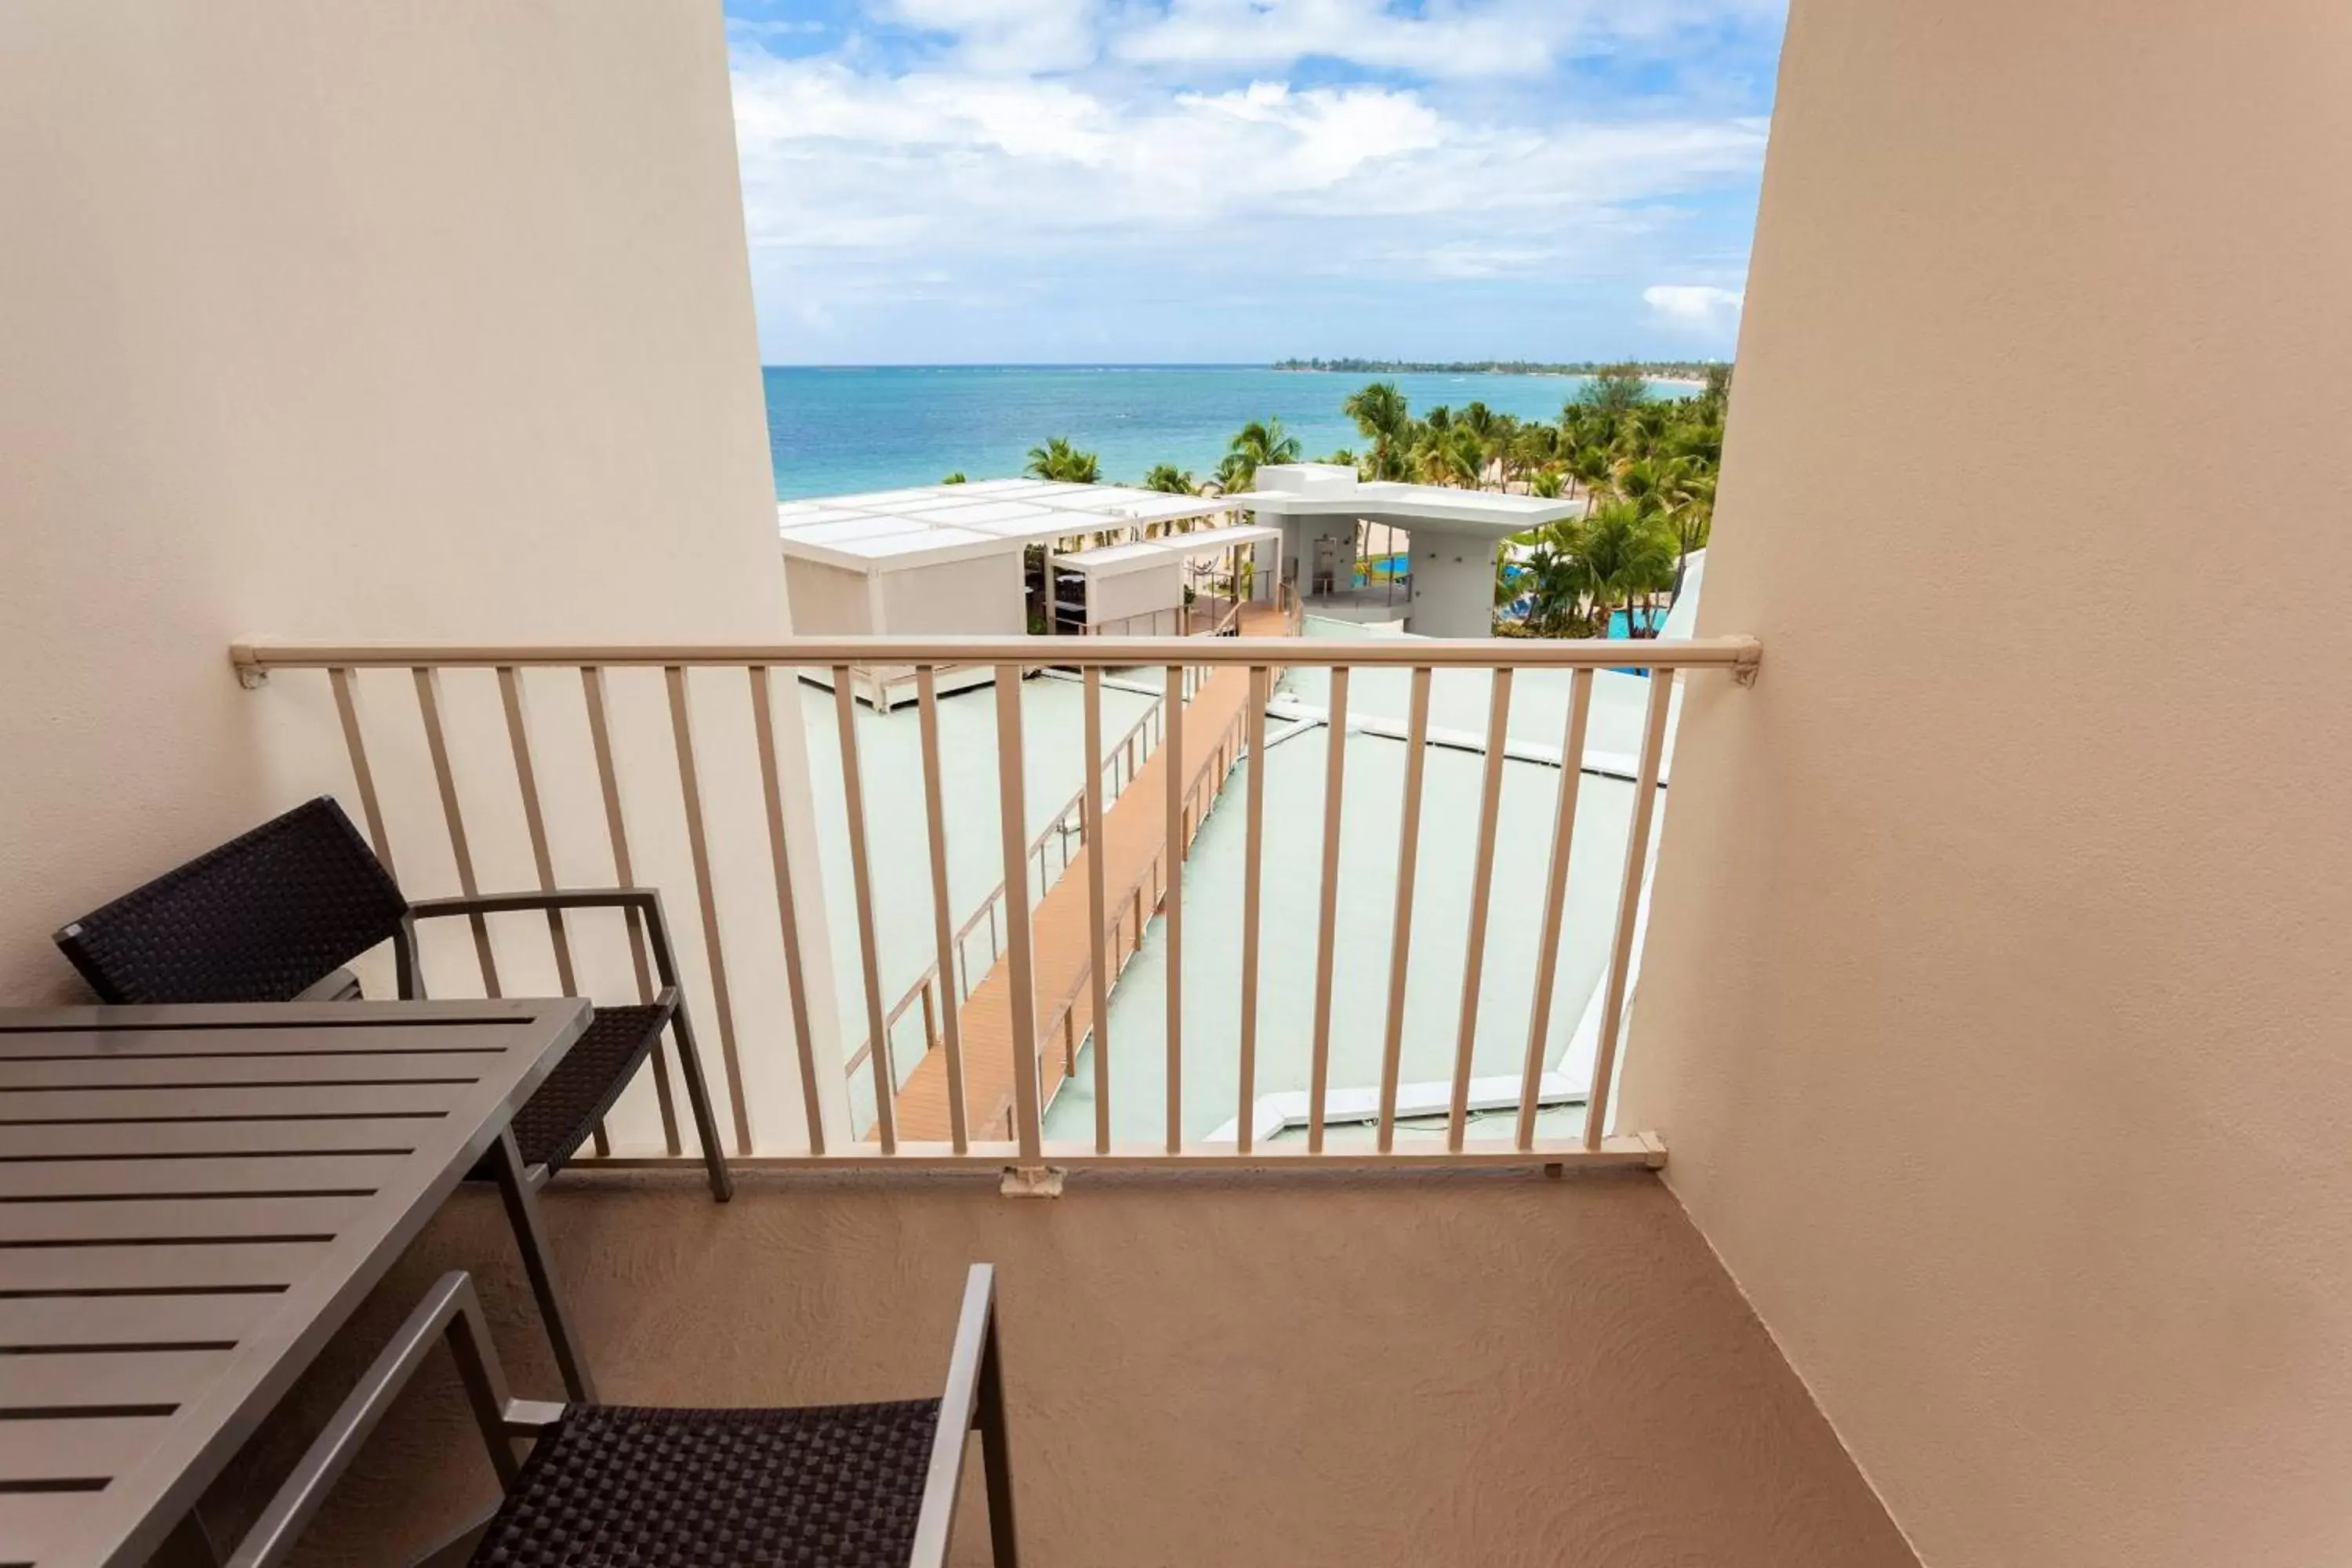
(945, 559)
(1152, 587)
(1453, 538)
(949, 559)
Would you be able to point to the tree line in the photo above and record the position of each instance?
(1653, 369)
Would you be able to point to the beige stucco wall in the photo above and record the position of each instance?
(1997, 982)
(344, 322)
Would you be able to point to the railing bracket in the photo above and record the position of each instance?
(1032, 1182)
(251, 673)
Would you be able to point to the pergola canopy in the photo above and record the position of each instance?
(1321, 489)
(929, 524)
(1120, 558)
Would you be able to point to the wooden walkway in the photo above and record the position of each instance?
(1134, 842)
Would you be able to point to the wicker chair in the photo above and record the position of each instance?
(276, 914)
(845, 1486)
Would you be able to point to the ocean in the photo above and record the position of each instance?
(835, 431)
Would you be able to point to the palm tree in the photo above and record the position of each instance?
(1534, 449)
(1702, 442)
(1656, 485)
(1169, 479)
(1381, 412)
(1557, 582)
(1589, 465)
(1461, 458)
(1717, 395)
(1642, 429)
(1506, 446)
(1692, 521)
(1583, 424)
(1058, 459)
(1628, 554)
(1261, 443)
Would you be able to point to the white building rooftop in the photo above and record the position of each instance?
(1120, 558)
(1323, 489)
(926, 524)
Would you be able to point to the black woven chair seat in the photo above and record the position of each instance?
(560, 1113)
(617, 1487)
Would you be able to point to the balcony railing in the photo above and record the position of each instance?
(454, 776)
(1050, 854)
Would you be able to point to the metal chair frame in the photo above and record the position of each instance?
(328, 844)
(641, 903)
(973, 1398)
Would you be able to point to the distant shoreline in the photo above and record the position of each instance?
(1680, 372)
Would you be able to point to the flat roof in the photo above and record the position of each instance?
(1436, 506)
(924, 525)
(1115, 559)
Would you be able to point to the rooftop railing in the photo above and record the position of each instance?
(1050, 853)
(680, 766)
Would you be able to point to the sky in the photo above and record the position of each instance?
(931, 181)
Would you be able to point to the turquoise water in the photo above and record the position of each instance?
(1621, 622)
(835, 431)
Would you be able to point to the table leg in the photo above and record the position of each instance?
(522, 1212)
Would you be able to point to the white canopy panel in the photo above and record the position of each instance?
(1318, 491)
(1122, 558)
(887, 530)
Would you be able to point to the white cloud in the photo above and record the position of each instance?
(1016, 151)
(1443, 39)
(1699, 306)
(1005, 36)
(965, 161)
(1448, 40)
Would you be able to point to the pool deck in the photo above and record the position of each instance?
(1134, 844)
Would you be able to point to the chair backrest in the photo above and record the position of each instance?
(256, 919)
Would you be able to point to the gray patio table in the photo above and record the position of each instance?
(193, 1199)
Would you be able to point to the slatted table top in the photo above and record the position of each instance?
(192, 1201)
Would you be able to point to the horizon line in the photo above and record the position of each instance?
(1176, 364)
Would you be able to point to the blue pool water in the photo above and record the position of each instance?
(1621, 622)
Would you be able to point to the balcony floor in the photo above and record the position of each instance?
(1295, 1370)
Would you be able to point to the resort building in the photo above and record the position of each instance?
(1451, 546)
(1006, 557)
(1859, 1087)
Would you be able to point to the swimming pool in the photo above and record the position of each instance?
(1621, 622)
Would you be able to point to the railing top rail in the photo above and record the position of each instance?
(260, 656)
